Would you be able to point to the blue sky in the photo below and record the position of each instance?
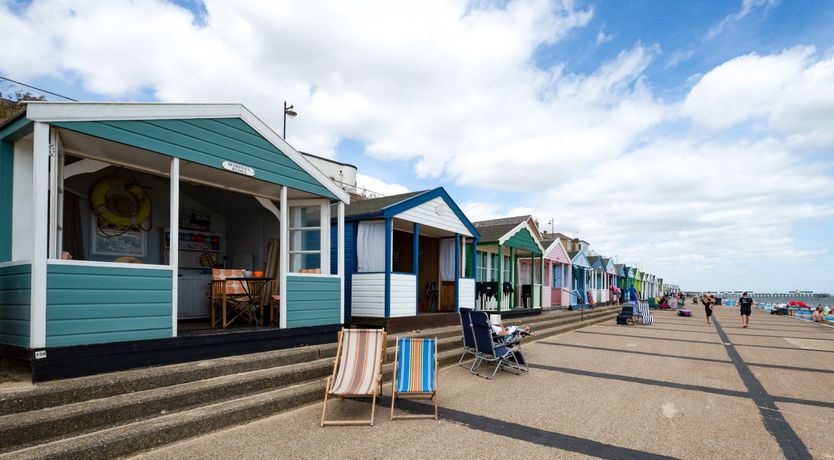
(693, 139)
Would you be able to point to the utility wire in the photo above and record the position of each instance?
(37, 89)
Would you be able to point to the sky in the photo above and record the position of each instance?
(693, 139)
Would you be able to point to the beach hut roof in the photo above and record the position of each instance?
(554, 250)
(218, 136)
(391, 206)
(511, 230)
(579, 258)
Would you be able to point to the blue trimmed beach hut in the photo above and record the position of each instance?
(405, 258)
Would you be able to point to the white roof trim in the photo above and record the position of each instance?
(517, 229)
(91, 111)
(94, 111)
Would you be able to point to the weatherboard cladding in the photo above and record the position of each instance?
(435, 213)
(92, 304)
(15, 298)
(523, 239)
(554, 252)
(208, 142)
(313, 301)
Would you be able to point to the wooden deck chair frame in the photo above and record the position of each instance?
(332, 380)
(413, 395)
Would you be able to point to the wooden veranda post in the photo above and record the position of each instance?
(500, 276)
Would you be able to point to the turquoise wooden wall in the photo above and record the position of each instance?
(523, 240)
(86, 305)
(312, 301)
(15, 296)
(208, 142)
(6, 171)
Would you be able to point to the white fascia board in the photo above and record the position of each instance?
(518, 228)
(89, 111)
(264, 130)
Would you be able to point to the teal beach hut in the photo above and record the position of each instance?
(112, 216)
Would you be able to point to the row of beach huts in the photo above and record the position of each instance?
(116, 217)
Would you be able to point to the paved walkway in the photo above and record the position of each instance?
(678, 388)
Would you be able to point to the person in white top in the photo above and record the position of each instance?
(511, 333)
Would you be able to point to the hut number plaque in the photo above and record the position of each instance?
(238, 168)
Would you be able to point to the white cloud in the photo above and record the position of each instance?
(452, 86)
(747, 7)
(677, 207)
(448, 84)
(378, 186)
(602, 37)
(790, 93)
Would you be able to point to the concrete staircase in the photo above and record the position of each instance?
(122, 413)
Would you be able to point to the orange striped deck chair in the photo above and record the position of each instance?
(415, 373)
(357, 372)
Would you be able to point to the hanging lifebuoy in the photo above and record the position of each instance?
(120, 202)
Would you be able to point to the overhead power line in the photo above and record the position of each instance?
(37, 89)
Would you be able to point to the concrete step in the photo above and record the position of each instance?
(57, 422)
(40, 425)
(163, 405)
(61, 392)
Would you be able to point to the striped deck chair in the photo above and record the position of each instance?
(357, 372)
(645, 316)
(415, 373)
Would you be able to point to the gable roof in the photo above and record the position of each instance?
(555, 250)
(375, 206)
(390, 206)
(501, 230)
(130, 124)
(579, 258)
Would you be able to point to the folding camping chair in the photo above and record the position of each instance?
(626, 316)
(357, 371)
(415, 373)
(468, 338)
(487, 350)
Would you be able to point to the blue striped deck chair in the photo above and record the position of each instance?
(415, 373)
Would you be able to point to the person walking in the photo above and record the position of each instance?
(708, 302)
(745, 304)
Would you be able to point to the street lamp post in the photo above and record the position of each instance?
(288, 112)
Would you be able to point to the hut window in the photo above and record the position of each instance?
(507, 268)
(493, 270)
(557, 277)
(481, 267)
(305, 239)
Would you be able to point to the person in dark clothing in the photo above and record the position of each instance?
(708, 300)
(745, 304)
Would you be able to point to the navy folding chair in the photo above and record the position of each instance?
(486, 349)
(468, 339)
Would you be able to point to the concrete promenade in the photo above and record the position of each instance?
(678, 388)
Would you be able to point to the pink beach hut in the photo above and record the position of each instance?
(557, 269)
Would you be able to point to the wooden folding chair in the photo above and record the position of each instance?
(225, 294)
(357, 372)
(415, 373)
